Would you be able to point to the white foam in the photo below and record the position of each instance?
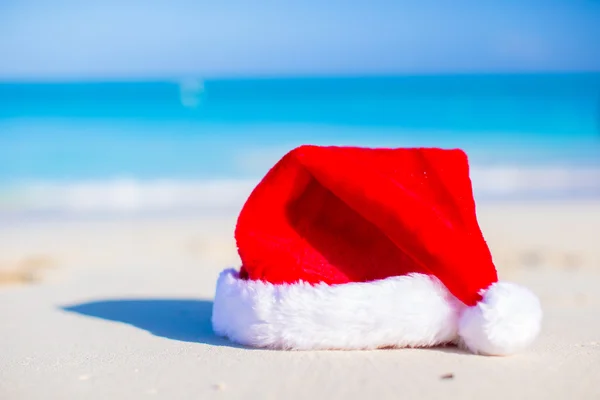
(520, 180)
(130, 195)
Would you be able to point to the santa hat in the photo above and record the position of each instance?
(358, 248)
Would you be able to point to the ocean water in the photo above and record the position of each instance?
(131, 146)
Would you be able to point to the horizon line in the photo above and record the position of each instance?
(182, 78)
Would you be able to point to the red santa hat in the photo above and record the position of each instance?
(358, 248)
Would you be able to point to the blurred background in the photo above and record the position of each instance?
(159, 106)
(132, 131)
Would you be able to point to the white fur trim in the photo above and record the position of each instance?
(405, 311)
(504, 322)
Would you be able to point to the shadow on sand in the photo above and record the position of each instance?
(184, 320)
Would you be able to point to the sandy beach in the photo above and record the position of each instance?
(120, 308)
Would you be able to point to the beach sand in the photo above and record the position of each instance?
(120, 308)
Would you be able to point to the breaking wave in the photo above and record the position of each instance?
(130, 195)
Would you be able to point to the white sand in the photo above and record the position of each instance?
(139, 326)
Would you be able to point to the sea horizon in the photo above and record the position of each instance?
(260, 76)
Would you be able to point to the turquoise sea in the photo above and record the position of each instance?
(193, 142)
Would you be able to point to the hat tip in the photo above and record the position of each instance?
(506, 321)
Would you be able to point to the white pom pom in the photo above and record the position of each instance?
(505, 321)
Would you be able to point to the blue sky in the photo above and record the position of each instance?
(152, 38)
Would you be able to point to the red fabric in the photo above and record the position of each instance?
(347, 214)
